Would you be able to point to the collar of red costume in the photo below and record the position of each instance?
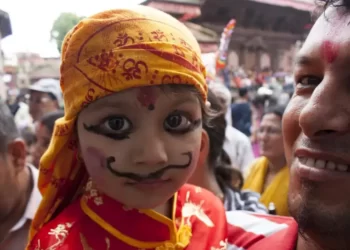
(139, 228)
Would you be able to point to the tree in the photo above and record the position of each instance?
(62, 25)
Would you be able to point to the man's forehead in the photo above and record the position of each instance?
(332, 24)
(331, 32)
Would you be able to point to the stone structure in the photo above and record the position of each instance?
(5, 30)
(186, 11)
(267, 31)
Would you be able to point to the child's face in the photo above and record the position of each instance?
(141, 145)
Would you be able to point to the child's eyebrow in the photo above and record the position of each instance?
(187, 99)
(115, 103)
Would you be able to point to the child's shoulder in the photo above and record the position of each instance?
(198, 195)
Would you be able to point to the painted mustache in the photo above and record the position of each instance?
(151, 176)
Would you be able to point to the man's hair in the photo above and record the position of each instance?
(276, 110)
(243, 92)
(8, 128)
(335, 3)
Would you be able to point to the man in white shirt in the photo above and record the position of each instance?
(45, 97)
(19, 196)
(237, 145)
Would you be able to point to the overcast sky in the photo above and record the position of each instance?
(32, 20)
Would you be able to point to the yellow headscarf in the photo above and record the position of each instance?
(276, 191)
(106, 53)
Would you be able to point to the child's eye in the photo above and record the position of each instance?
(180, 123)
(176, 122)
(115, 127)
(117, 124)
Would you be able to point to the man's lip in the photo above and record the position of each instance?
(321, 155)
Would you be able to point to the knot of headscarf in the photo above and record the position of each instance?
(106, 53)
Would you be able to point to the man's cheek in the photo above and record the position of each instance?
(291, 130)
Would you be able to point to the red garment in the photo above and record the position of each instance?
(249, 231)
(97, 222)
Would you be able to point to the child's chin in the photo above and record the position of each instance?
(146, 202)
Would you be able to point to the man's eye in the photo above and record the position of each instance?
(309, 81)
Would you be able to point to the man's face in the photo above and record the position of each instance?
(316, 128)
(12, 164)
(41, 103)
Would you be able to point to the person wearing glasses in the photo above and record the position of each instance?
(45, 97)
(269, 175)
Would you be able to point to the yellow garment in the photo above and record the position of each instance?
(106, 53)
(276, 191)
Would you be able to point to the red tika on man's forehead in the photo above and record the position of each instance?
(329, 51)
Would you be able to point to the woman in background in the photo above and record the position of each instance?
(214, 172)
(269, 175)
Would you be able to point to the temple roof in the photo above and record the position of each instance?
(202, 34)
(5, 24)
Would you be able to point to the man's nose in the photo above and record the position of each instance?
(326, 111)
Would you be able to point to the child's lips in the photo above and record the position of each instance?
(149, 184)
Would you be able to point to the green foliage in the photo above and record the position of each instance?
(62, 25)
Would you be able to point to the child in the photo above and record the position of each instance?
(113, 176)
(43, 134)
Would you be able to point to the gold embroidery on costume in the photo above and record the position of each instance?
(198, 190)
(190, 209)
(223, 246)
(169, 246)
(60, 233)
(86, 245)
(184, 235)
(93, 193)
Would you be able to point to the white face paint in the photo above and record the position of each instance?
(137, 132)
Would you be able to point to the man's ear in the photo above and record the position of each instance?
(17, 153)
(204, 149)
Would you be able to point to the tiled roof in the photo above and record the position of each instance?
(202, 34)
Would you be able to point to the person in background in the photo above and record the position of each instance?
(19, 195)
(258, 107)
(237, 145)
(269, 175)
(43, 134)
(28, 135)
(215, 173)
(241, 113)
(19, 109)
(45, 97)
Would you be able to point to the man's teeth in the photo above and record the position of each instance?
(310, 162)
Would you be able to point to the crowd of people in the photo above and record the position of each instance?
(139, 160)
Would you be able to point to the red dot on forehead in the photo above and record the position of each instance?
(147, 97)
(329, 51)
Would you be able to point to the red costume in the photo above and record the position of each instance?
(98, 222)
